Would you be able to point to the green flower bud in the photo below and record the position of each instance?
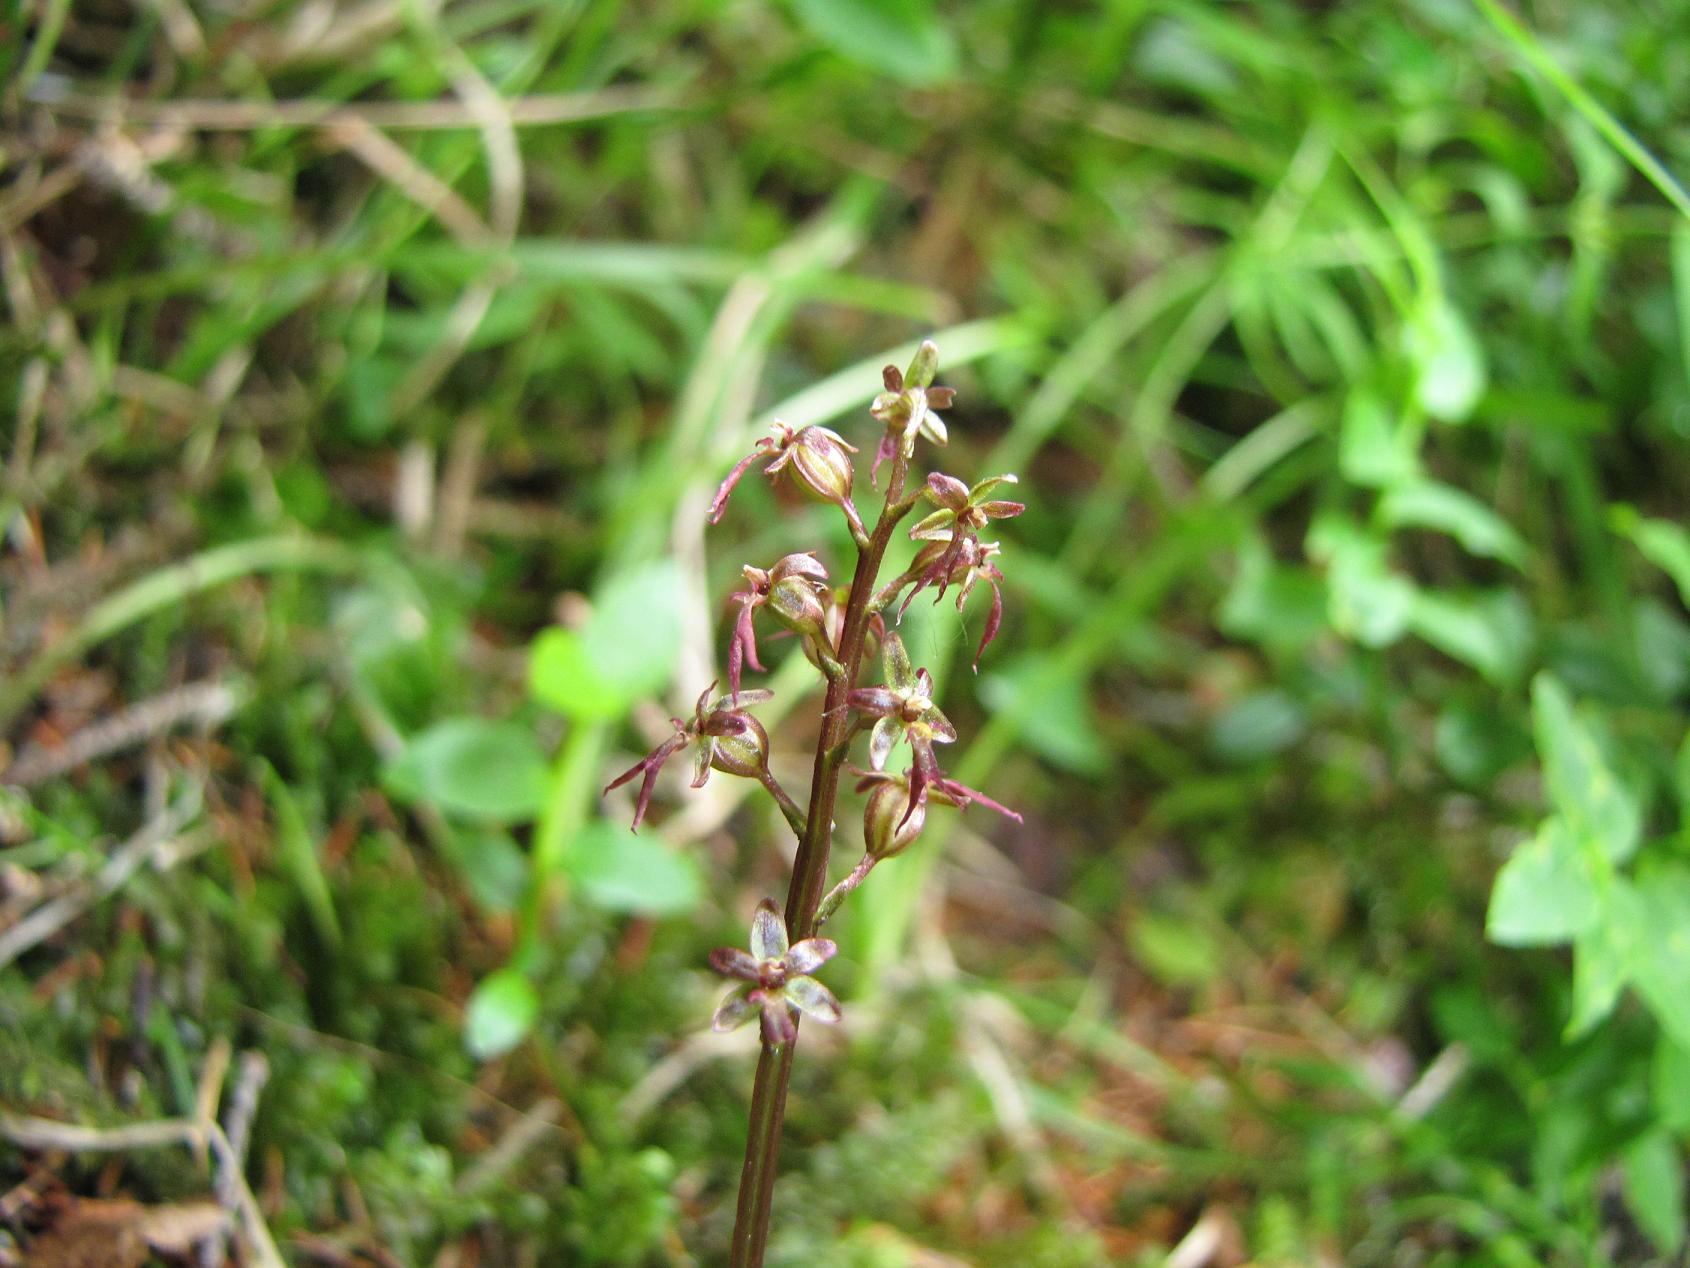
(886, 830)
(822, 465)
(796, 605)
(924, 366)
(739, 747)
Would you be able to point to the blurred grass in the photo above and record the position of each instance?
(344, 339)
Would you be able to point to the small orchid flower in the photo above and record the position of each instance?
(962, 510)
(903, 707)
(818, 459)
(886, 835)
(791, 590)
(943, 564)
(777, 976)
(908, 407)
(724, 736)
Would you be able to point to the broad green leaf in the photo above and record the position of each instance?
(501, 1012)
(1445, 509)
(1604, 954)
(1178, 952)
(474, 768)
(1449, 365)
(1489, 630)
(1049, 705)
(1272, 604)
(1366, 601)
(1374, 449)
(1662, 973)
(1543, 894)
(1670, 1078)
(1475, 741)
(1663, 543)
(1255, 726)
(296, 848)
(624, 653)
(494, 867)
(1663, 647)
(1652, 1170)
(632, 872)
(1593, 801)
(901, 38)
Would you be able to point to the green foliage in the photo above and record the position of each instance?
(1345, 354)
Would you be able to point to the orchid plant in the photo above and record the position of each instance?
(840, 628)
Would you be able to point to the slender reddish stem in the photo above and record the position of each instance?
(809, 878)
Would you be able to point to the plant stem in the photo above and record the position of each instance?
(788, 807)
(809, 877)
(841, 891)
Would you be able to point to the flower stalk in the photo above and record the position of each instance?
(840, 628)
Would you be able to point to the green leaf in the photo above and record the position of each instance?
(1490, 630)
(1662, 930)
(1543, 894)
(1373, 448)
(1366, 601)
(1475, 741)
(1272, 604)
(625, 871)
(1177, 952)
(1048, 703)
(502, 1010)
(1652, 1171)
(624, 653)
(1256, 726)
(1593, 801)
(296, 848)
(901, 38)
(1604, 954)
(1670, 1077)
(1445, 509)
(474, 768)
(494, 867)
(1449, 365)
(1662, 542)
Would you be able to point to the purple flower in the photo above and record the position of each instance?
(724, 736)
(778, 985)
(946, 563)
(913, 791)
(792, 590)
(818, 458)
(903, 708)
(908, 406)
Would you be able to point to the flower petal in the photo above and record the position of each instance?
(879, 702)
(938, 726)
(946, 491)
(732, 962)
(985, 486)
(768, 932)
(900, 674)
(994, 618)
(734, 1011)
(882, 740)
(1001, 510)
(778, 1026)
(934, 527)
(813, 999)
(810, 954)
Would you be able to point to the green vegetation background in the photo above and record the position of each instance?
(367, 368)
